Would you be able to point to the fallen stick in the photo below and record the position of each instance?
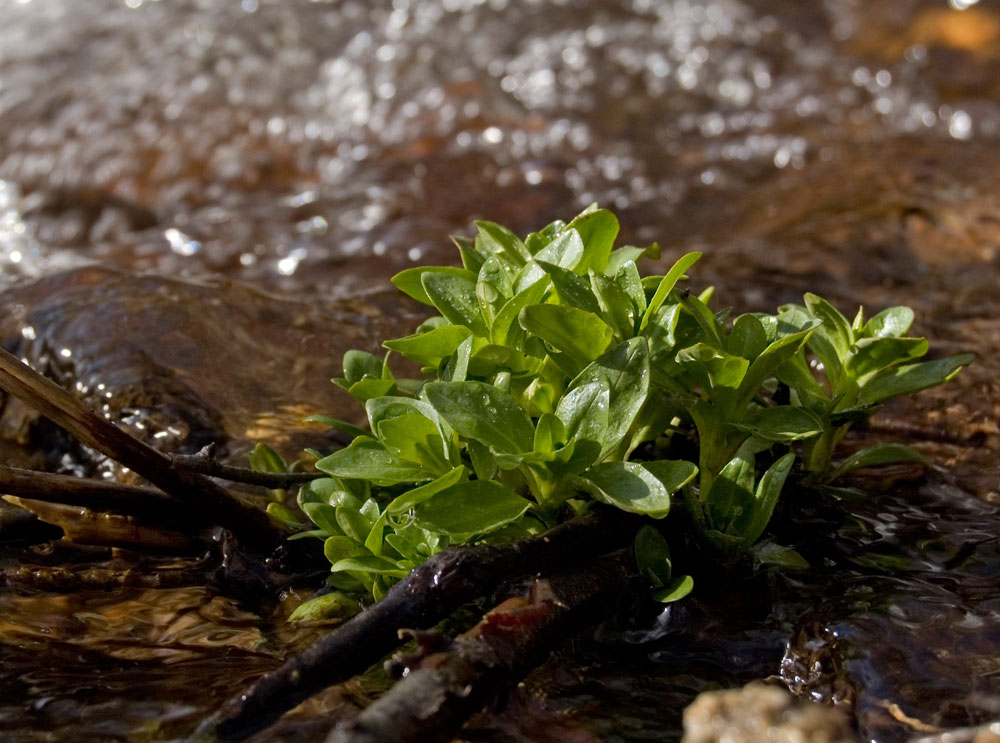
(58, 579)
(443, 689)
(426, 596)
(146, 504)
(197, 492)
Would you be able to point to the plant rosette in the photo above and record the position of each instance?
(550, 361)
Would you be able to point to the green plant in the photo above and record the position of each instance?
(550, 362)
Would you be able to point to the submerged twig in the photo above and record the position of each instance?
(59, 579)
(198, 493)
(443, 689)
(426, 596)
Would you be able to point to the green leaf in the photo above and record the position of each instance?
(748, 337)
(832, 339)
(584, 414)
(324, 516)
(361, 364)
(349, 428)
(677, 589)
(581, 335)
(673, 473)
(629, 254)
(506, 331)
(731, 495)
(876, 456)
(369, 387)
(372, 564)
(337, 548)
(550, 433)
(500, 241)
(766, 365)
(616, 306)
(385, 408)
(484, 464)
(598, 229)
(392, 406)
(834, 325)
(628, 486)
(367, 459)
(353, 523)
(667, 284)
(769, 554)
(912, 378)
(625, 369)
(457, 367)
(335, 605)
(890, 323)
(573, 290)
(480, 411)
(538, 240)
(782, 423)
(489, 359)
(373, 542)
(411, 498)
(652, 555)
(493, 288)
(414, 438)
(410, 281)
(710, 326)
(455, 298)
(472, 257)
(329, 490)
(564, 250)
(428, 349)
(765, 499)
(713, 367)
(265, 459)
(284, 516)
(870, 355)
(473, 507)
(628, 280)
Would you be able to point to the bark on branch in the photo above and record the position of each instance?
(443, 689)
(429, 594)
(146, 504)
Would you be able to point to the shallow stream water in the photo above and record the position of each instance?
(200, 204)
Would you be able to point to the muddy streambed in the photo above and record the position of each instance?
(200, 203)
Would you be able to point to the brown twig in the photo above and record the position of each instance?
(147, 504)
(446, 686)
(196, 491)
(205, 463)
(430, 593)
(57, 579)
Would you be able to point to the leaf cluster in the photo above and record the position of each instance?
(549, 361)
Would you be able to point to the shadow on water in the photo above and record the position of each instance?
(200, 203)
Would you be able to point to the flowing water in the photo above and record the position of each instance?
(200, 204)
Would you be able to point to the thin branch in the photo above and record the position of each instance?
(205, 463)
(57, 579)
(443, 687)
(427, 595)
(147, 504)
(197, 492)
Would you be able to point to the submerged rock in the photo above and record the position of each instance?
(759, 712)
